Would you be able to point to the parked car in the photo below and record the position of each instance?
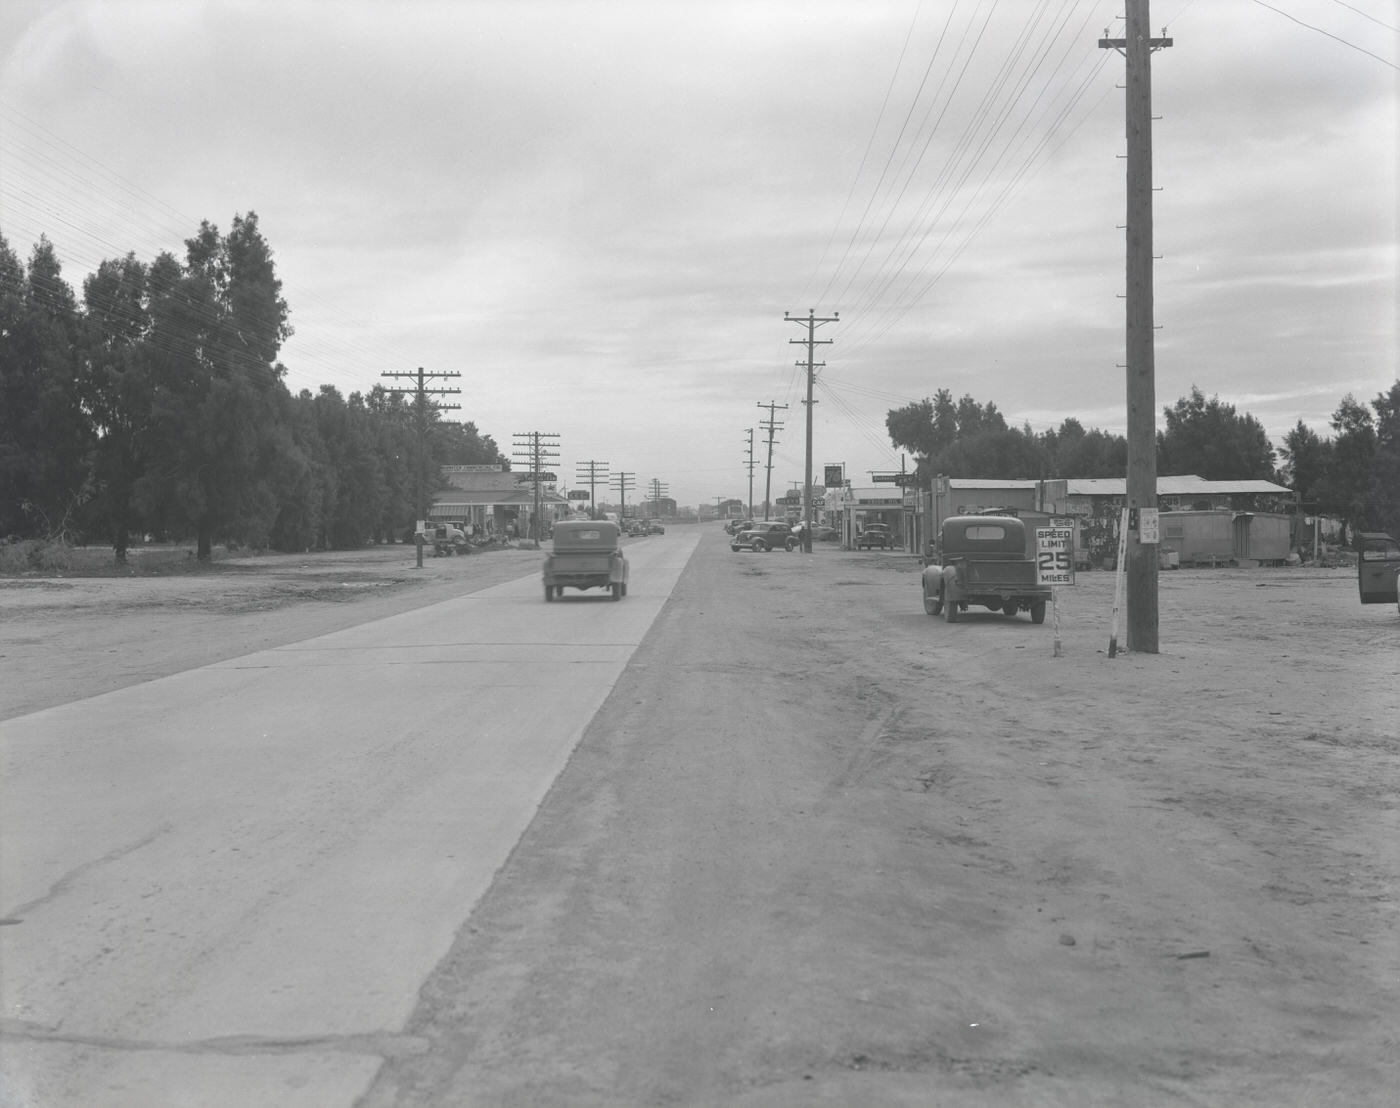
(875, 534)
(1377, 566)
(765, 536)
(654, 527)
(982, 560)
(734, 526)
(444, 538)
(587, 554)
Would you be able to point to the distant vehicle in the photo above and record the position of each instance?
(654, 527)
(826, 534)
(734, 526)
(444, 538)
(875, 534)
(587, 554)
(762, 537)
(1377, 566)
(982, 560)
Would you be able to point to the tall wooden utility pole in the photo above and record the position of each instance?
(751, 463)
(1140, 561)
(422, 405)
(771, 425)
(812, 322)
(622, 481)
(593, 472)
(537, 450)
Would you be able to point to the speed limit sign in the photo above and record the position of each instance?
(1054, 555)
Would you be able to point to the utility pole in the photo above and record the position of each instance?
(751, 463)
(622, 481)
(594, 473)
(812, 322)
(536, 449)
(658, 490)
(422, 406)
(1140, 560)
(771, 425)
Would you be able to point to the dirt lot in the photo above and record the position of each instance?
(96, 628)
(819, 848)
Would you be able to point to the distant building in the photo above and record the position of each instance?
(490, 499)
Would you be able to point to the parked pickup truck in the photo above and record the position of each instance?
(1377, 564)
(982, 560)
(586, 554)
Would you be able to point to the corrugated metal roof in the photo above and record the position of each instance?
(976, 483)
(1182, 485)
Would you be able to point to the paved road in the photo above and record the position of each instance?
(226, 887)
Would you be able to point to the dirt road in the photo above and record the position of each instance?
(818, 848)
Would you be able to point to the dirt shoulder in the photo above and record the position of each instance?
(64, 638)
(819, 848)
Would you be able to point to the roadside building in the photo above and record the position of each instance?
(1202, 522)
(491, 501)
(852, 508)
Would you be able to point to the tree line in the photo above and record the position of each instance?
(1352, 476)
(156, 405)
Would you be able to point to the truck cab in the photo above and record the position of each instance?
(982, 560)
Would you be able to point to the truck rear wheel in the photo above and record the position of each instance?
(548, 593)
(1038, 611)
(950, 609)
(933, 605)
(616, 591)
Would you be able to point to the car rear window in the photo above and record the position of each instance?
(985, 532)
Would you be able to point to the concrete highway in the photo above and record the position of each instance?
(225, 887)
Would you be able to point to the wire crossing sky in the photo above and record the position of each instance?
(597, 211)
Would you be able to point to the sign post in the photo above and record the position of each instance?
(1054, 566)
(1118, 583)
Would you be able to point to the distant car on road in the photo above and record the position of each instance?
(654, 527)
(734, 526)
(762, 537)
(587, 554)
(875, 534)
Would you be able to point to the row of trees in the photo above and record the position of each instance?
(1353, 476)
(157, 405)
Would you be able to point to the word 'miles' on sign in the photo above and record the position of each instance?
(1054, 555)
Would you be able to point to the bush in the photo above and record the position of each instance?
(22, 556)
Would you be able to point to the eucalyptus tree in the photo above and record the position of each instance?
(45, 437)
(116, 393)
(1210, 439)
(217, 442)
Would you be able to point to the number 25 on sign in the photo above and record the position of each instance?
(1054, 566)
(1054, 556)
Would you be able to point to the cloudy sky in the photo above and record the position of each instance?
(598, 211)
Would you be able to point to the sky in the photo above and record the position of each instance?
(598, 212)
